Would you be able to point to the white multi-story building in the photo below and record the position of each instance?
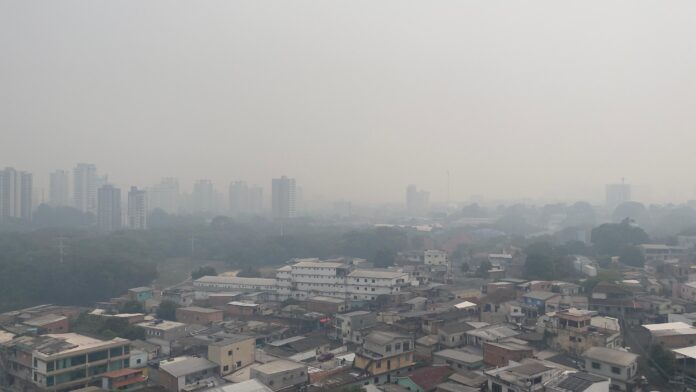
(435, 257)
(307, 278)
(137, 209)
(366, 285)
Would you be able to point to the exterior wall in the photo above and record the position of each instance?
(233, 356)
(281, 380)
(60, 326)
(62, 371)
(454, 364)
(451, 340)
(167, 381)
(190, 316)
(576, 343)
(325, 307)
(676, 341)
(435, 257)
(618, 381)
(497, 356)
(385, 364)
(238, 310)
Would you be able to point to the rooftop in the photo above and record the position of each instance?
(181, 366)
(244, 386)
(384, 337)
(318, 264)
(140, 289)
(240, 303)
(377, 273)
(459, 355)
(611, 356)
(200, 309)
(163, 325)
(540, 295)
(278, 366)
(44, 320)
(323, 298)
(669, 329)
(428, 377)
(578, 382)
(235, 280)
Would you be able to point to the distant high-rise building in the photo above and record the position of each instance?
(15, 194)
(59, 192)
(137, 209)
(256, 200)
(416, 201)
(617, 194)
(203, 196)
(109, 208)
(283, 198)
(85, 185)
(165, 196)
(239, 198)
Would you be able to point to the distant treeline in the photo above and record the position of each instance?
(99, 266)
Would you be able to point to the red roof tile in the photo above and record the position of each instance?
(428, 377)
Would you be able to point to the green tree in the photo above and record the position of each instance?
(483, 268)
(611, 238)
(544, 261)
(203, 271)
(664, 360)
(631, 255)
(167, 310)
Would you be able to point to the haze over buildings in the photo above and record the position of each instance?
(544, 99)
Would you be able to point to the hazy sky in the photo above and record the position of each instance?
(545, 99)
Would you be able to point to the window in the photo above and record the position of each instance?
(615, 370)
(229, 353)
(496, 388)
(397, 346)
(387, 348)
(225, 368)
(596, 365)
(379, 364)
(406, 345)
(239, 363)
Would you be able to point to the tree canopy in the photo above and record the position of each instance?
(611, 238)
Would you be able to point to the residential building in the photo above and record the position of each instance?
(416, 201)
(49, 323)
(367, 285)
(198, 315)
(572, 331)
(383, 353)
(238, 308)
(281, 374)
(453, 334)
(491, 333)
(538, 299)
(658, 253)
(109, 208)
(15, 195)
(140, 294)
(352, 327)
(425, 379)
(176, 374)
(137, 209)
(502, 353)
(672, 335)
(458, 359)
(232, 352)
(59, 191)
(326, 305)
(124, 380)
(57, 362)
(244, 386)
(620, 366)
(203, 197)
(165, 196)
(230, 283)
(283, 198)
(579, 382)
(435, 257)
(163, 333)
(529, 376)
(85, 187)
(311, 277)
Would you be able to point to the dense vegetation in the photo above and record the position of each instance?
(97, 267)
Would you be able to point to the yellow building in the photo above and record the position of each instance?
(232, 353)
(384, 353)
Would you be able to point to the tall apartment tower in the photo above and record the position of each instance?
(416, 201)
(85, 184)
(238, 198)
(137, 209)
(15, 194)
(283, 198)
(617, 194)
(59, 192)
(165, 196)
(203, 196)
(109, 208)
